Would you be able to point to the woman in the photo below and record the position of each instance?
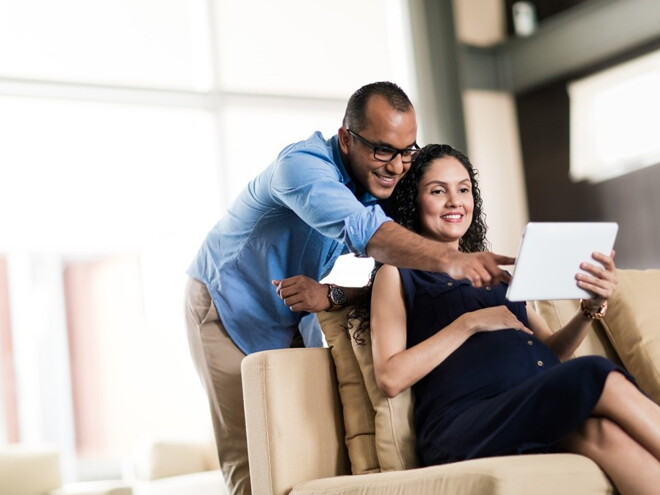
(489, 376)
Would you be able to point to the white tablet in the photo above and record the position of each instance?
(550, 255)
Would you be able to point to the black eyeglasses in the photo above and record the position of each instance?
(385, 153)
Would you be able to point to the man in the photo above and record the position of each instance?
(316, 201)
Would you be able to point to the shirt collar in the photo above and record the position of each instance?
(364, 198)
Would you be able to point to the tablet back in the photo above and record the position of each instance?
(550, 254)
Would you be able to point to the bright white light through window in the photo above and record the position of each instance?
(127, 127)
(615, 120)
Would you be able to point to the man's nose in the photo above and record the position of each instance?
(396, 166)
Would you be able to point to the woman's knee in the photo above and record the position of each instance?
(617, 390)
(599, 434)
(618, 384)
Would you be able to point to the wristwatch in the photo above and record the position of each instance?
(337, 297)
(593, 315)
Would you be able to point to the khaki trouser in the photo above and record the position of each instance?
(218, 363)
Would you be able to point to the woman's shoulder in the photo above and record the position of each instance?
(386, 274)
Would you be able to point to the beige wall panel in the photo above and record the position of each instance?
(479, 22)
(494, 149)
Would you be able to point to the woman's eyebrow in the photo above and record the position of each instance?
(443, 183)
(436, 181)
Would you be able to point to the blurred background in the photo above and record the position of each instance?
(128, 126)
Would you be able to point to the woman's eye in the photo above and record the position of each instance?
(437, 191)
(465, 190)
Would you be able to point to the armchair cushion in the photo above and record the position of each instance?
(35, 470)
(359, 415)
(394, 432)
(632, 324)
(26, 470)
(166, 458)
(559, 313)
(94, 488)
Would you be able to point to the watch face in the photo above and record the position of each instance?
(337, 296)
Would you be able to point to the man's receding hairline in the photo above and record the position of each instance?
(356, 117)
(397, 108)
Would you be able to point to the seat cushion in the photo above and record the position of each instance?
(539, 474)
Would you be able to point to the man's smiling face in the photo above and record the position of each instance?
(385, 127)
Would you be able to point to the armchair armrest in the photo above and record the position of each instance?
(94, 488)
(293, 418)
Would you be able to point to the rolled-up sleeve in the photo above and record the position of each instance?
(361, 226)
(311, 187)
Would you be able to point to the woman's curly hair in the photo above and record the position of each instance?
(403, 209)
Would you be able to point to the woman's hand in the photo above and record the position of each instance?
(496, 318)
(301, 293)
(599, 280)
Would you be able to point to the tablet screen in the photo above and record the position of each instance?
(550, 254)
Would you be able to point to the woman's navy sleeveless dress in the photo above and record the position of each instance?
(502, 392)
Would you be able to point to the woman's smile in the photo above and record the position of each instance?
(445, 201)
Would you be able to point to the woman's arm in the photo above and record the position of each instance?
(397, 368)
(601, 282)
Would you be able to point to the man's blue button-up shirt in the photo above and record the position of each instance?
(296, 217)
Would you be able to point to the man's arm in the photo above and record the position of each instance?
(301, 293)
(395, 245)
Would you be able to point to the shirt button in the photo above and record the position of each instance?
(450, 284)
(488, 287)
(529, 342)
(539, 363)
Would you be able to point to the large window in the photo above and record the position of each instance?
(615, 118)
(127, 127)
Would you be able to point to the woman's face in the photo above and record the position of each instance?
(444, 200)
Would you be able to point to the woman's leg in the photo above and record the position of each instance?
(626, 406)
(632, 468)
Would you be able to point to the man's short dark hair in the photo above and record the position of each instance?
(355, 117)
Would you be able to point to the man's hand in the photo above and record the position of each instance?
(480, 269)
(301, 293)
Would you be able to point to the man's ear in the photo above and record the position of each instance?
(344, 138)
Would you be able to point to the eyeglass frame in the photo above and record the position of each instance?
(412, 151)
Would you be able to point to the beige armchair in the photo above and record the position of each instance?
(176, 467)
(36, 471)
(317, 423)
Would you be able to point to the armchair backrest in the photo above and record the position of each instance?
(293, 418)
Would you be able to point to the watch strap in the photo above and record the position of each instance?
(590, 313)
